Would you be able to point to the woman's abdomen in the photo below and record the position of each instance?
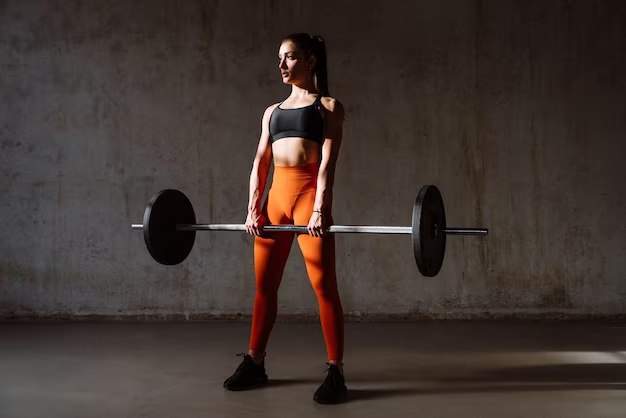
(289, 152)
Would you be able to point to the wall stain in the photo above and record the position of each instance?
(57, 119)
(558, 297)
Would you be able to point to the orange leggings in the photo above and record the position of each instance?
(290, 201)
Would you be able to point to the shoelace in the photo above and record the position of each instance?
(334, 377)
(331, 364)
(247, 361)
(244, 364)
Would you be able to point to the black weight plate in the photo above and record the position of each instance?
(167, 209)
(429, 243)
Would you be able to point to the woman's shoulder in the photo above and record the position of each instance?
(270, 109)
(332, 104)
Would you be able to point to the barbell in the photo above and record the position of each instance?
(169, 228)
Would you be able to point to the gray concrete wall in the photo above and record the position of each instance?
(515, 109)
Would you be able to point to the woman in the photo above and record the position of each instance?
(302, 136)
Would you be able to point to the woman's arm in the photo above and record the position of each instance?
(334, 116)
(258, 177)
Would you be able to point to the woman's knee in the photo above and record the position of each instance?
(267, 288)
(325, 288)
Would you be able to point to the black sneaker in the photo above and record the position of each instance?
(334, 389)
(247, 376)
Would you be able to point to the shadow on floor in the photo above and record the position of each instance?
(554, 373)
(561, 377)
(271, 383)
(370, 394)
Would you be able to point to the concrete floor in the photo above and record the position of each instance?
(426, 369)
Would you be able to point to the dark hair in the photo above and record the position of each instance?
(315, 46)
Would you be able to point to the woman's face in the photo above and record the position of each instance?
(293, 65)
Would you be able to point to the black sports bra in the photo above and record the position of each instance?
(302, 122)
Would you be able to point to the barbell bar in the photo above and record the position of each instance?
(336, 229)
(169, 227)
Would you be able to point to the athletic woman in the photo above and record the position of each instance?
(301, 136)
